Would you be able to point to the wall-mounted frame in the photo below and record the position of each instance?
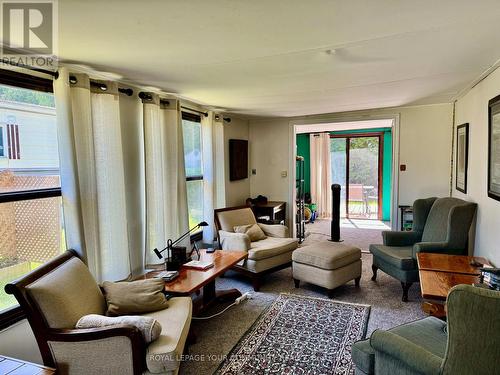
(238, 159)
(494, 148)
(462, 158)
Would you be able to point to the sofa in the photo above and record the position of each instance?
(267, 255)
(440, 225)
(430, 346)
(56, 295)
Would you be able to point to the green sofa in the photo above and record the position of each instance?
(430, 347)
(440, 225)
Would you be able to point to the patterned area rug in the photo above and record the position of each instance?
(299, 335)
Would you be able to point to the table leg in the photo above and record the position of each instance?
(435, 309)
(211, 295)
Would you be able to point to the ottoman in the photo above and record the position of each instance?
(327, 264)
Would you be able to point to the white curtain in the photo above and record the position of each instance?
(213, 183)
(166, 196)
(92, 175)
(321, 173)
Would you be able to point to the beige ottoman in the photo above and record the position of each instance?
(327, 264)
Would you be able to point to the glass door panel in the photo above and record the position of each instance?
(363, 179)
(338, 155)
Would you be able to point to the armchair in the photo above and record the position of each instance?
(56, 295)
(465, 346)
(264, 256)
(440, 225)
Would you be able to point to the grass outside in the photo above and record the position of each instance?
(9, 274)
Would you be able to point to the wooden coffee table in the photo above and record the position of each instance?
(441, 272)
(201, 284)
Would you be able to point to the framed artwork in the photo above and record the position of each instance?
(494, 148)
(462, 159)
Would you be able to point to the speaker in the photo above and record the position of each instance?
(177, 258)
(335, 224)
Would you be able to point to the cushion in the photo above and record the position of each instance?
(428, 333)
(163, 355)
(274, 230)
(134, 297)
(67, 293)
(251, 230)
(232, 218)
(270, 247)
(400, 257)
(149, 327)
(363, 356)
(327, 255)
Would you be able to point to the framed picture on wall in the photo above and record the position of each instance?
(494, 148)
(462, 159)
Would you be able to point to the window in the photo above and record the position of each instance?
(2, 150)
(31, 228)
(193, 159)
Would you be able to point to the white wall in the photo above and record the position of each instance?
(236, 191)
(18, 341)
(424, 146)
(473, 108)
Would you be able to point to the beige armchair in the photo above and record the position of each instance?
(56, 295)
(264, 256)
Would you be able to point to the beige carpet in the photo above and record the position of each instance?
(358, 232)
(217, 336)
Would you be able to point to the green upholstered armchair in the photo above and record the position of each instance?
(468, 345)
(440, 225)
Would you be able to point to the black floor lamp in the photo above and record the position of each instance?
(176, 255)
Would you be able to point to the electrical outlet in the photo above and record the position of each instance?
(284, 173)
(245, 296)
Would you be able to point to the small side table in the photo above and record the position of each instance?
(16, 366)
(406, 214)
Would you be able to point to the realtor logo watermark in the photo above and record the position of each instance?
(29, 32)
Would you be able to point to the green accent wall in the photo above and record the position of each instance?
(303, 149)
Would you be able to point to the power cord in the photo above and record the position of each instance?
(237, 301)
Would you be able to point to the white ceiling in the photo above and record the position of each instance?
(267, 57)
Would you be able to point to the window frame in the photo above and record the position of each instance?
(14, 314)
(188, 116)
(3, 138)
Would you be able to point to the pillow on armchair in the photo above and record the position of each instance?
(150, 328)
(251, 230)
(134, 297)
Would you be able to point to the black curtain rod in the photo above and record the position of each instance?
(195, 110)
(147, 96)
(39, 70)
(103, 87)
(72, 79)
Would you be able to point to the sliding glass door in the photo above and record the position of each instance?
(356, 167)
(338, 155)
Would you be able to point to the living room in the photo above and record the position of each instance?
(149, 134)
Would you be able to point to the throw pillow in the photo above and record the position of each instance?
(134, 297)
(149, 327)
(252, 230)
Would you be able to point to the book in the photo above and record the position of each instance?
(168, 275)
(199, 264)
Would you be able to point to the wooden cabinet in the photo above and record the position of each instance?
(272, 212)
